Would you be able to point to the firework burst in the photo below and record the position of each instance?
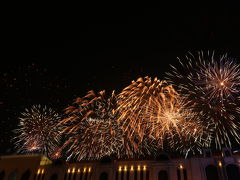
(140, 101)
(38, 130)
(179, 126)
(151, 109)
(92, 129)
(212, 85)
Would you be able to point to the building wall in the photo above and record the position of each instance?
(19, 165)
(125, 170)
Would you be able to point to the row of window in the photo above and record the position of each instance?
(132, 168)
(80, 175)
(211, 171)
(141, 173)
(232, 172)
(79, 170)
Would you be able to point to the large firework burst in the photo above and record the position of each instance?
(91, 128)
(151, 109)
(140, 101)
(38, 130)
(178, 127)
(212, 84)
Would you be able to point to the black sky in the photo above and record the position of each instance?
(105, 50)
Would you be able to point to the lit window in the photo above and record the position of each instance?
(120, 168)
(73, 170)
(139, 168)
(132, 168)
(144, 168)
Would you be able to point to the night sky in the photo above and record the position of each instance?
(106, 50)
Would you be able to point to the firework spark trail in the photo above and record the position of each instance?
(135, 103)
(92, 129)
(38, 130)
(212, 84)
(190, 133)
(153, 109)
(56, 153)
(221, 78)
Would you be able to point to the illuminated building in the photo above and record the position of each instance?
(208, 167)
